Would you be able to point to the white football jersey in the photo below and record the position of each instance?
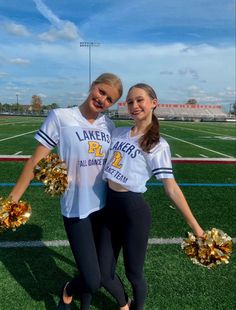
(83, 147)
(131, 167)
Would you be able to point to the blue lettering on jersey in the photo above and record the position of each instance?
(116, 174)
(96, 162)
(126, 147)
(93, 135)
(92, 162)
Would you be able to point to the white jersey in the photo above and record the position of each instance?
(131, 167)
(83, 147)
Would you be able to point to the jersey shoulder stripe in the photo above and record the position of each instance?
(46, 138)
(162, 169)
(163, 172)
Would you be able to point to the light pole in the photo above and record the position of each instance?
(89, 45)
(17, 103)
(230, 108)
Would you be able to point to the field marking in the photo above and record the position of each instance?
(229, 138)
(202, 155)
(25, 122)
(201, 147)
(23, 134)
(179, 156)
(14, 157)
(194, 160)
(17, 153)
(6, 184)
(195, 184)
(11, 123)
(204, 131)
(65, 243)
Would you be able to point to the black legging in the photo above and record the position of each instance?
(83, 235)
(127, 224)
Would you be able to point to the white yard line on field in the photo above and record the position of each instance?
(21, 122)
(13, 137)
(178, 155)
(17, 153)
(65, 243)
(203, 156)
(11, 123)
(199, 130)
(201, 147)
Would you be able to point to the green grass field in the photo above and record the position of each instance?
(31, 277)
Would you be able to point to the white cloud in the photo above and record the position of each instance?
(19, 61)
(11, 86)
(138, 20)
(47, 13)
(60, 29)
(166, 72)
(42, 95)
(189, 72)
(157, 65)
(206, 96)
(228, 92)
(3, 74)
(16, 29)
(68, 32)
(45, 55)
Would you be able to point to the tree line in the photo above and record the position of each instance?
(36, 106)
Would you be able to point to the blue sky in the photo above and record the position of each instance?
(183, 48)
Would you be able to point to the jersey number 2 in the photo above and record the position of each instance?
(117, 159)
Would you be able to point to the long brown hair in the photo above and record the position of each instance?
(151, 136)
(110, 79)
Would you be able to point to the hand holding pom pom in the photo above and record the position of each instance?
(12, 214)
(52, 172)
(213, 249)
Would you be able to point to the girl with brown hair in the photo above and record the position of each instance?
(135, 155)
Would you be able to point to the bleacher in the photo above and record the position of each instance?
(185, 112)
(190, 112)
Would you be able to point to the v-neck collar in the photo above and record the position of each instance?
(136, 137)
(84, 119)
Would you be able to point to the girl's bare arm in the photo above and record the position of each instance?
(177, 197)
(27, 173)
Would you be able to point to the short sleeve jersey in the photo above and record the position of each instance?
(131, 167)
(83, 146)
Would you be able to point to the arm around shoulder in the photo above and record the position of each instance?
(27, 173)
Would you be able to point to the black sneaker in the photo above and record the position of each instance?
(131, 305)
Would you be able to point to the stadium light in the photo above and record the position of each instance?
(89, 45)
(17, 102)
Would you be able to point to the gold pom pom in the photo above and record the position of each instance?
(213, 249)
(52, 172)
(12, 214)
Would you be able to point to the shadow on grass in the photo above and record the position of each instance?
(35, 269)
(41, 271)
